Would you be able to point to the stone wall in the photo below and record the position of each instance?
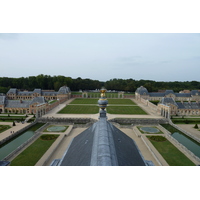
(75, 121)
(133, 121)
(17, 133)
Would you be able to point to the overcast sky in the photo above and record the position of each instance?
(103, 56)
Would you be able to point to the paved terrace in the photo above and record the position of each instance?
(13, 128)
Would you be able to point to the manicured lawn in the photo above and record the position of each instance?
(121, 101)
(31, 155)
(85, 101)
(110, 101)
(171, 154)
(79, 109)
(51, 102)
(12, 118)
(4, 128)
(35, 127)
(170, 128)
(130, 110)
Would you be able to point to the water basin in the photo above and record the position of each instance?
(149, 129)
(14, 144)
(56, 128)
(190, 144)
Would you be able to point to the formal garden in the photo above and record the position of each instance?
(4, 128)
(169, 152)
(90, 106)
(32, 154)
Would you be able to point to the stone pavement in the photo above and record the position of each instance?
(13, 128)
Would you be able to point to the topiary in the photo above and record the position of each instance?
(158, 138)
(48, 137)
(196, 126)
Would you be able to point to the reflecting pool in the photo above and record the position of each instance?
(12, 145)
(190, 144)
(56, 128)
(149, 129)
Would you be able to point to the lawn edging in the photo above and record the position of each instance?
(161, 161)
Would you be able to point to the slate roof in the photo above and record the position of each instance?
(169, 92)
(64, 90)
(25, 93)
(39, 91)
(2, 100)
(17, 104)
(12, 90)
(40, 100)
(167, 101)
(156, 94)
(49, 93)
(195, 92)
(24, 103)
(102, 144)
(183, 94)
(142, 90)
(187, 105)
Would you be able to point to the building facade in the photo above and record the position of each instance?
(37, 102)
(142, 92)
(171, 103)
(15, 94)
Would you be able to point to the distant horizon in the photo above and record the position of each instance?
(102, 56)
(101, 80)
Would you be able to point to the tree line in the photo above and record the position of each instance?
(47, 82)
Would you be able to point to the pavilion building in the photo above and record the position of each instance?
(37, 102)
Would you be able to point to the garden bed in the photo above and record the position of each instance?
(32, 154)
(169, 152)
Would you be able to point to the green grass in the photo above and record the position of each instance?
(155, 102)
(93, 109)
(110, 101)
(171, 154)
(4, 128)
(85, 101)
(51, 102)
(121, 101)
(170, 128)
(79, 109)
(35, 127)
(12, 118)
(31, 155)
(129, 110)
